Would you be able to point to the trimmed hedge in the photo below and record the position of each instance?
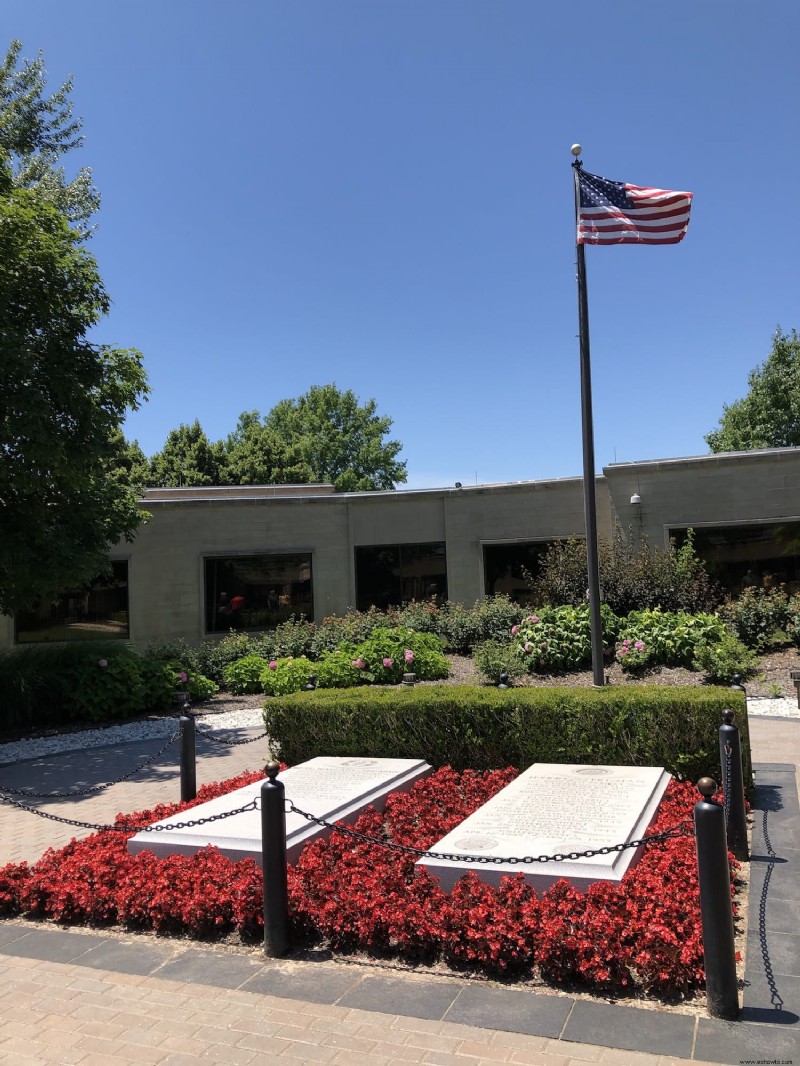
(485, 728)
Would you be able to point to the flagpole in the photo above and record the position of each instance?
(589, 499)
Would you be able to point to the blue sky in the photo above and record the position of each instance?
(378, 193)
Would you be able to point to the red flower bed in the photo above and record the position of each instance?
(642, 935)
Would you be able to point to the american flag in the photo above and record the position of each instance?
(614, 212)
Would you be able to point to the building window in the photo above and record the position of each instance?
(762, 554)
(97, 611)
(388, 575)
(509, 568)
(257, 591)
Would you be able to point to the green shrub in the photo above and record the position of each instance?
(335, 670)
(459, 627)
(244, 675)
(50, 685)
(185, 677)
(486, 728)
(495, 616)
(284, 676)
(725, 659)
(214, 656)
(756, 615)
(119, 687)
(793, 620)
(556, 639)
(175, 651)
(292, 638)
(200, 687)
(671, 638)
(494, 657)
(634, 657)
(389, 653)
(633, 575)
(350, 628)
(423, 615)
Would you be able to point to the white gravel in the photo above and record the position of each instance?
(785, 707)
(243, 718)
(120, 734)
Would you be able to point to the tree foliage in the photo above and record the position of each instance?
(256, 455)
(769, 415)
(36, 131)
(323, 436)
(64, 500)
(341, 441)
(187, 458)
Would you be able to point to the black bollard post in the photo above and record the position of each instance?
(273, 857)
(188, 758)
(730, 757)
(722, 996)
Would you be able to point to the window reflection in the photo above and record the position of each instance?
(506, 566)
(388, 575)
(257, 591)
(97, 611)
(764, 554)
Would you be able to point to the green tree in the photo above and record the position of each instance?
(36, 130)
(62, 400)
(339, 439)
(131, 465)
(769, 415)
(187, 458)
(256, 455)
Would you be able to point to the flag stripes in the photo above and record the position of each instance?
(615, 212)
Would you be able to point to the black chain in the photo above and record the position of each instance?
(726, 781)
(775, 997)
(683, 829)
(92, 788)
(157, 827)
(230, 743)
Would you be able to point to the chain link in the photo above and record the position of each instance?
(775, 997)
(157, 827)
(92, 789)
(684, 828)
(726, 781)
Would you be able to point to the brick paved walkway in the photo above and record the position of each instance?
(100, 999)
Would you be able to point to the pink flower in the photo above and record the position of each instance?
(514, 630)
(182, 677)
(527, 646)
(408, 655)
(534, 618)
(623, 650)
(102, 663)
(273, 665)
(639, 645)
(543, 646)
(388, 662)
(359, 663)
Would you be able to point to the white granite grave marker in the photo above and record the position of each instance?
(336, 789)
(551, 809)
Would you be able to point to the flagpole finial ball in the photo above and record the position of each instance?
(576, 149)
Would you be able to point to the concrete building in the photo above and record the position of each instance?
(212, 559)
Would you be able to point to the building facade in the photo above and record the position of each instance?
(213, 559)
